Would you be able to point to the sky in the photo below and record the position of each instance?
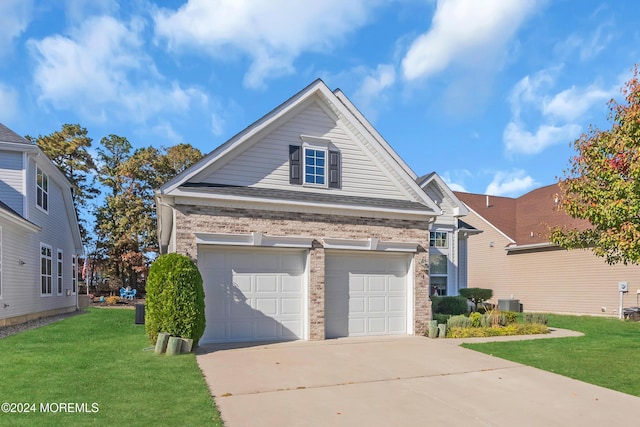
(490, 94)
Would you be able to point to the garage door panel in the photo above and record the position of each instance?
(366, 293)
(242, 282)
(251, 293)
(291, 284)
(376, 284)
(357, 305)
(291, 307)
(266, 283)
(377, 305)
(397, 304)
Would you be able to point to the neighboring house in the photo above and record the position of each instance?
(448, 244)
(306, 225)
(39, 235)
(513, 256)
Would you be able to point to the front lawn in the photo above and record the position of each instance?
(92, 369)
(608, 355)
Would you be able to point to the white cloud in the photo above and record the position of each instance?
(472, 32)
(455, 180)
(559, 114)
(371, 96)
(518, 139)
(272, 33)
(15, 15)
(573, 103)
(8, 103)
(101, 70)
(510, 183)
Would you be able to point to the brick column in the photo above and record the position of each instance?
(422, 303)
(316, 294)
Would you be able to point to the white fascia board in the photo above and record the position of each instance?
(186, 197)
(372, 130)
(370, 244)
(462, 209)
(244, 135)
(544, 245)
(15, 146)
(19, 221)
(254, 239)
(392, 158)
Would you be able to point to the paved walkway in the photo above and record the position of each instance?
(398, 381)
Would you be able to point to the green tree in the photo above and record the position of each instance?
(126, 221)
(602, 184)
(68, 148)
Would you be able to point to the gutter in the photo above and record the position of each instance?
(532, 246)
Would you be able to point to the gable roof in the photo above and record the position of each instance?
(434, 179)
(7, 135)
(526, 220)
(417, 202)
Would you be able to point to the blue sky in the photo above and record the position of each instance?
(488, 93)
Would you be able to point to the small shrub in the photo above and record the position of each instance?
(475, 319)
(449, 305)
(538, 318)
(508, 317)
(441, 318)
(112, 300)
(489, 319)
(476, 295)
(175, 298)
(460, 321)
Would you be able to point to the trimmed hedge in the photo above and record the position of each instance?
(175, 299)
(513, 329)
(476, 295)
(449, 305)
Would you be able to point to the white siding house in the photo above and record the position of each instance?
(39, 234)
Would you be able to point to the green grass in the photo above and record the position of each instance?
(608, 355)
(98, 357)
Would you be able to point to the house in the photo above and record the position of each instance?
(39, 235)
(305, 225)
(448, 243)
(514, 257)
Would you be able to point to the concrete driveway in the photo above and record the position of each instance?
(398, 381)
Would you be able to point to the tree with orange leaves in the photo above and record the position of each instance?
(602, 184)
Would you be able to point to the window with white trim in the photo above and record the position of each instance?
(59, 270)
(45, 270)
(74, 274)
(42, 189)
(315, 169)
(439, 262)
(439, 239)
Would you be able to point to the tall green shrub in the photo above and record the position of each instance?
(175, 298)
(448, 305)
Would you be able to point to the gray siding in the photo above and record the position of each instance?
(11, 181)
(21, 284)
(265, 164)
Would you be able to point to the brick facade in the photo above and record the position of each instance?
(192, 219)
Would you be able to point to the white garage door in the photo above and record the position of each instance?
(252, 294)
(366, 293)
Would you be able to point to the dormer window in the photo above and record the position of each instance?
(314, 163)
(315, 166)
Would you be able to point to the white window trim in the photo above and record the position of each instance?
(74, 274)
(42, 273)
(448, 239)
(44, 174)
(325, 150)
(59, 272)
